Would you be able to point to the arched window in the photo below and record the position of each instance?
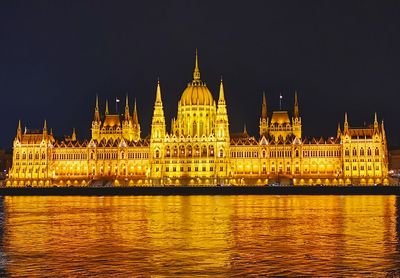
(182, 151)
(194, 128)
(361, 151)
(369, 152)
(43, 155)
(204, 151)
(221, 153)
(211, 150)
(297, 153)
(17, 155)
(376, 151)
(157, 153)
(346, 152)
(354, 152)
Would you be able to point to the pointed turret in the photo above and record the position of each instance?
(158, 121)
(45, 128)
(135, 123)
(73, 135)
(126, 114)
(97, 110)
(264, 117)
(339, 131)
(19, 130)
(196, 72)
(346, 124)
(135, 117)
(107, 111)
(296, 106)
(245, 130)
(221, 97)
(222, 122)
(264, 107)
(376, 124)
(158, 93)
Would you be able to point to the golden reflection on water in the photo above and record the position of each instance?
(200, 235)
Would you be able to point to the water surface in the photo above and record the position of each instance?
(190, 236)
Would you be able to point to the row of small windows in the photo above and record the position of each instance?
(362, 168)
(244, 154)
(69, 156)
(321, 153)
(30, 156)
(361, 152)
(189, 151)
(189, 169)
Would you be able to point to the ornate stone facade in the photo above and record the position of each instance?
(199, 150)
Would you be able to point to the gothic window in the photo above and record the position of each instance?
(297, 153)
(211, 150)
(157, 153)
(369, 151)
(30, 155)
(17, 155)
(354, 152)
(376, 151)
(194, 128)
(204, 151)
(361, 151)
(43, 156)
(221, 153)
(346, 152)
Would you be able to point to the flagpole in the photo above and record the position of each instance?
(280, 102)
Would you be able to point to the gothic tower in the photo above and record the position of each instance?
(264, 118)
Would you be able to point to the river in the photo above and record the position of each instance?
(189, 236)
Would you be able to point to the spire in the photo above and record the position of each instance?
(19, 130)
(296, 105)
(264, 107)
(244, 129)
(73, 136)
(346, 123)
(221, 92)
(126, 114)
(45, 128)
(196, 73)
(135, 115)
(97, 110)
(338, 130)
(376, 125)
(107, 112)
(158, 92)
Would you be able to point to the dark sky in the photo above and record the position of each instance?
(55, 56)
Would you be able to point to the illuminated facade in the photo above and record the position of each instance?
(199, 150)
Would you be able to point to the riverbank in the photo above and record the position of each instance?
(185, 190)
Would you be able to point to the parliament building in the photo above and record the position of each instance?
(199, 150)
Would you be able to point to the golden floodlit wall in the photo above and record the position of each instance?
(199, 149)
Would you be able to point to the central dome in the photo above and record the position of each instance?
(196, 93)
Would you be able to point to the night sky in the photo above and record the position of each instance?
(55, 56)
